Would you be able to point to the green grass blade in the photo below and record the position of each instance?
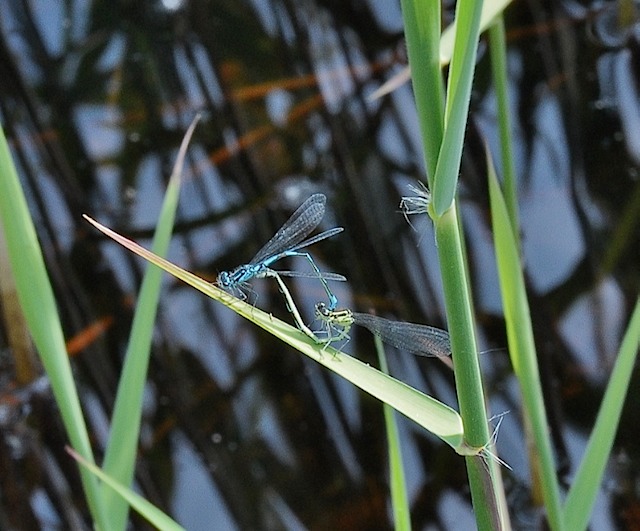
(40, 311)
(498, 49)
(429, 413)
(422, 32)
(521, 345)
(585, 487)
(490, 9)
(146, 509)
(461, 70)
(122, 448)
(398, 485)
(427, 52)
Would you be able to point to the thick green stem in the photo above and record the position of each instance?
(466, 365)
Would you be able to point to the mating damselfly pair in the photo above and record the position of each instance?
(290, 241)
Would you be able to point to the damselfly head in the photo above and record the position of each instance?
(228, 281)
(223, 279)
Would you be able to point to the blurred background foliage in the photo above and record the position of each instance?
(95, 98)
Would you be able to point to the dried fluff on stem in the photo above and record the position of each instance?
(415, 204)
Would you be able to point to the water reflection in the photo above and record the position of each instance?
(95, 101)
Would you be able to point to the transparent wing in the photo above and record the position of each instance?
(310, 274)
(301, 223)
(416, 338)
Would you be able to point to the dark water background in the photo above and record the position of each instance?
(240, 431)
